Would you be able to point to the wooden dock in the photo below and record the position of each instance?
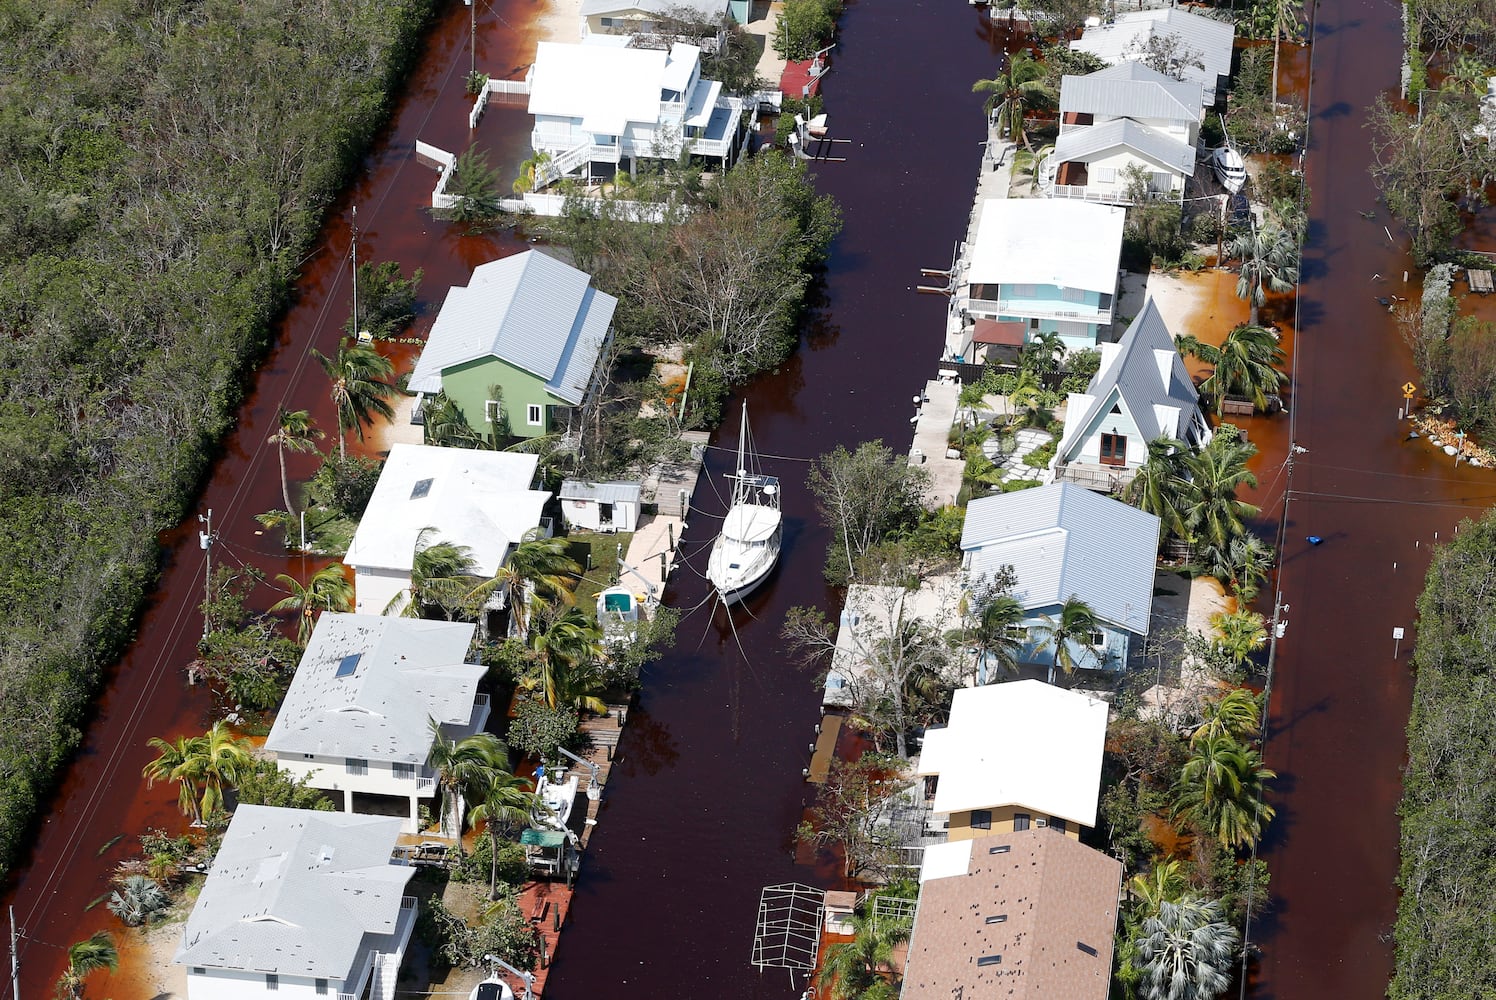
(603, 733)
(820, 759)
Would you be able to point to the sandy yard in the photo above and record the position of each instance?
(561, 22)
(146, 970)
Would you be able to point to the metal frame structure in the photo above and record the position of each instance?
(788, 932)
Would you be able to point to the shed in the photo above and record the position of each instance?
(600, 506)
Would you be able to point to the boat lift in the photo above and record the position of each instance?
(594, 787)
(528, 978)
(814, 131)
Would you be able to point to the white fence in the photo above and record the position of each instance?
(509, 92)
(445, 162)
(552, 205)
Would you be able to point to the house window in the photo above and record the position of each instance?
(198, 970)
(1018, 633)
(997, 918)
(532, 415)
(1103, 175)
(272, 981)
(1020, 822)
(1055, 823)
(1113, 449)
(1023, 291)
(404, 772)
(1098, 638)
(1073, 294)
(492, 410)
(990, 960)
(356, 766)
(608, 22)
(321, 987)
(981, 819)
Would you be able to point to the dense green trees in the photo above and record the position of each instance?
(167, 169)
(1448, 810)
(864, 496)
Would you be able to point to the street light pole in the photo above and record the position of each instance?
(205, 539)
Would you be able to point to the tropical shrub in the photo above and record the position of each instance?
(138, 900)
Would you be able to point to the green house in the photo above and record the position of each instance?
(517, 348)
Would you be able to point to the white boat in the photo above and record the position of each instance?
(556, 800)
(748, 546)
(492, 989)
(1229, 168)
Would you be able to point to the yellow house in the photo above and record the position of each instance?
(1017, 756)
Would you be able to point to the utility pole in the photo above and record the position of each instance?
(15, 963)
(355, 273)
(205, 541)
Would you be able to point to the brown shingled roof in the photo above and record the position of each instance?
(1033, 921)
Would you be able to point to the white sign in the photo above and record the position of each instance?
(1397, 633)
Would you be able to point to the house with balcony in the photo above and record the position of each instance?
(1062, 541)
(1141, 392)
(871, 618)
(644, 17)
(517, 349)
(1198, 47)
(1121, 120)
(604, 101)
(1026, 916)
(483, 500)
(1037, 266)
(1015, 756)
(355, 721)
(300, 903)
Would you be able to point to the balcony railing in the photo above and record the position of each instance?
(425, 785)
(1030, 308)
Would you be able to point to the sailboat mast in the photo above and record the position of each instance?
(739, 490)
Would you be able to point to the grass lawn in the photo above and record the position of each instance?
(598, 554)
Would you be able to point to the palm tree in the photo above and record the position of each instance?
(1244, 365)
(1074, 625)
(563, 650)
(171, 765)
(1467, 76)
(327, 590)
(994, 636)
(464, 769)
(529, 172)
(1236, 714)
(1186, 950)
(1269, 261)
(294, 431)
(1159, 486)
(441, 574)
(1238, 635)
(1285, 18)
(850, 968)
(219, 758)
(506, 804)
(1242, 564)
(359, 389)
(1221, 791)
(1165, 882)
(1216, 472)
(1020, 86)
(537, 566)
(85, 958)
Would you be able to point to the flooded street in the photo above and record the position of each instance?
(1340, 700)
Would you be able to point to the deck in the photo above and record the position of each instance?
(1480, 281)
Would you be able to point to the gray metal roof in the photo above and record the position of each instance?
(708, 9)
(1131, 90)
(1082, 144)
(530, 310)
(574, 489)
(1126, 36)
(1062, 540)
(296, 892)
(1146, 374)
(409, 669)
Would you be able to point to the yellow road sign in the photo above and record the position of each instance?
(1408, 390)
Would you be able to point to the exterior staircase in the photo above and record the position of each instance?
(386, 973)
(559, 166)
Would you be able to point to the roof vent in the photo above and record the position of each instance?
(324, 854)
(1086, 948)
(990, 960)
(1000, 849)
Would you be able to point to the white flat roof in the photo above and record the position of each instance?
(1023, 743)
(481, 499)
(607, 86)
(1038, 241)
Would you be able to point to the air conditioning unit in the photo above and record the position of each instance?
(1041, 823)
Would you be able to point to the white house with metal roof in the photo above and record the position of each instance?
(516, 350)
(602, 102)
(355, 720)
(600, 506)
(300, 903)
(1141, 392)
(479, 499)
(1014, 756)
(1123, 117)
(870, 616)
(1197, 47)
(1063, 541)
(1050, 265)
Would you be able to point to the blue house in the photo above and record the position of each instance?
(1050, 266)
(1064, 541)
